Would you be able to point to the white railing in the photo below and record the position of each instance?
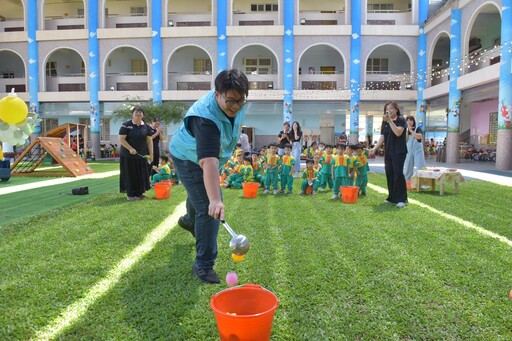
(52, 83)
(52, 23)
(252, 16)
(174, 19)
(174, 78)
(9, 23)
(128, 77)
(481, 58)
(398, 17)
(338, 17)
(113, 20)
(338, 78)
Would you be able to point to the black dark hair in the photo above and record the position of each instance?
(288, 145)
(273, 144)
(156, 119)
(137, 108)
(248, 158)
(328, 146)
(165, 158)
(341, 146)
(309, 161)
(398, 114)
(232, 79)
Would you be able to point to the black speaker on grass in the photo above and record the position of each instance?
(80, 191)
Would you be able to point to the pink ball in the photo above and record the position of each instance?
(231, 278)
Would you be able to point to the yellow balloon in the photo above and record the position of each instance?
(13, 109)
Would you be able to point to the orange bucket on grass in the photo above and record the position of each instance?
(309, 190)
(349, 194)
(250, 189)
(410, 187)
(162, 190)
(244, 313)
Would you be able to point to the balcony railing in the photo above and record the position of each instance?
(64, 23)
(481, 58)
(395, 17)
(190, 80)
(129, 81)
(115, 21)
(263, 82)
(319, 18)
(322, 81)
(255, 19)
(189, 19)
(439, 76)
(394, 80)
(11, 25)
(18, 83)
(66, 82)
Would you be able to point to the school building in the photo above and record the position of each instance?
(331, 65)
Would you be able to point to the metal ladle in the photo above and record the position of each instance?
(239, 244)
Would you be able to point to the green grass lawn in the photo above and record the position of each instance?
(341, 271)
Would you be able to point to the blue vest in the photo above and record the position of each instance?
(183, 144)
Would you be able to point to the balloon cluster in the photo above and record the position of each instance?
(16, 124)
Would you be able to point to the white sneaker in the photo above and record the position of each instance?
(387, 202)
(334, 197)
(400, 205)
(275, 192)
(266, 191)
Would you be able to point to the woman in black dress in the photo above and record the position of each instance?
(136, 142)
(395, 150)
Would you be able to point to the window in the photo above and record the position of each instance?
(80, 13)
(51, 69)
(48, 124)
(138, 11)
(264, 7)
(327, 70)
(138, 67)
(258, 66)
(202, 66)
(104, 128)
(377, 65)
(380, 7)
(82, 67)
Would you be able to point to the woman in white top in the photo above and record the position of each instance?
(415, 153)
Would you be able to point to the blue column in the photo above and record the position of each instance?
(288, 58)
(94, 75)
(454, 95)
(33, 61)
(504, 141)
(156, 50)
(355, 70)
(222, 39)
(421, 104)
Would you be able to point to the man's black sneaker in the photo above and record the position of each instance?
(206, 275)
(187, 227)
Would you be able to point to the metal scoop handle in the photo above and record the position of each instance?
(229, 229)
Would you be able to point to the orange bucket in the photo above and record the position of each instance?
(349, 194)
(250, 189)
(410, 187)
(162, 190)
(309, 190)
(244, 313)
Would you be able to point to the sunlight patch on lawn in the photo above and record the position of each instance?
(451, 217)
(76, 310)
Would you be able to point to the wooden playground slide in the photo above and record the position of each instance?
(48, 148)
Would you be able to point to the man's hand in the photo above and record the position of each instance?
(216, 209)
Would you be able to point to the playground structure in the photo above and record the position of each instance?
(54, 150)
(74, 134)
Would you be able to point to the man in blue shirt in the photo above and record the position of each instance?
(205, 140)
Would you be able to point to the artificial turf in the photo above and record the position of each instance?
(341, 271)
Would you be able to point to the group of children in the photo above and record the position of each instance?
(326, 166)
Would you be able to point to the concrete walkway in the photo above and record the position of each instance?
(481, 170)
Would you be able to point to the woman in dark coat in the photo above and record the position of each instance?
(136, 151)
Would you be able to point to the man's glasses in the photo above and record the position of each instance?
(232, 102)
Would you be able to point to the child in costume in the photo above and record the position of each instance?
(163, 171)
(272, 163)
(362, 168)
(236, 175)
(286, 169)
(340, 170)
(310, 178)
(325, 160)
(246, 171)
(349, 152)
(257, 168)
